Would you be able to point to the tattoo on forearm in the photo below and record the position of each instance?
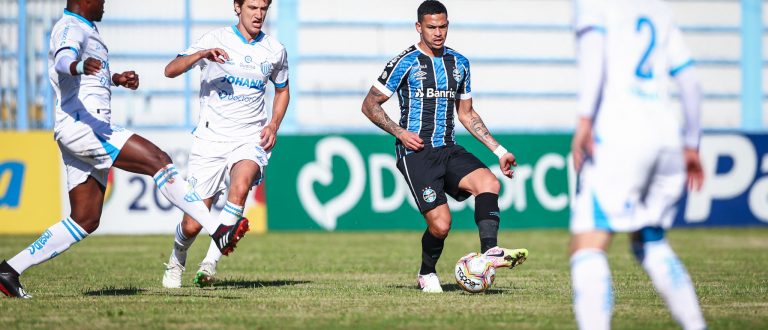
(481, 132)
(376, 114)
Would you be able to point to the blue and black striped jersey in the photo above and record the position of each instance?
(427, 88)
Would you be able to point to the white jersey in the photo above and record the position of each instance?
(232, 94)
(643, 48)
(82, 92)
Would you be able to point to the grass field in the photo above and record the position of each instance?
(367, 280)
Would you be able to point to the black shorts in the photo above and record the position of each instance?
(433, 172)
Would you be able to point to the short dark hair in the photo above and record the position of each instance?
(241, 2)
(430, 7)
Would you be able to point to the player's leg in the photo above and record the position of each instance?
(669, 276)
(591, 280)
(184, 235)
(423, 172)
(86, 200)
(243, 175)
(467, 175)
(138, 155)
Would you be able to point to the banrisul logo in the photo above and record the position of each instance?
(11, 180)
(244, 82)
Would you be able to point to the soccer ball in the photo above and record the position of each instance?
(474, 273)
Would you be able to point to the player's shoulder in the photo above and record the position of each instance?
(272, 43)
(405, 55)
(459, 57)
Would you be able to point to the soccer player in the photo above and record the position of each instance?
(630, 153)
(431, 80)
(233, 140)
(79, 69)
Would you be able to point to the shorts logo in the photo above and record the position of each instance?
(429, 195)
(384, 75)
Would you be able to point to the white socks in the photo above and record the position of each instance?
(182, 194)
(673, 283)
(54, 241)
(228, 216)
(592, 291)
(180, 246)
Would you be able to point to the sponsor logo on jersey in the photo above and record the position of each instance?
(420, 75)
(419, 93)
(248, 59)
(40, 242)
(244, 82)
(435, 93)
(11, 180)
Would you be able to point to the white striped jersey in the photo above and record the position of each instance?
(643, 48)
(232, 94)
(81, 92)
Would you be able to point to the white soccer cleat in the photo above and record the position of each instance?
(206, 275)
(430, 283)
(172, 276)
(506, 258)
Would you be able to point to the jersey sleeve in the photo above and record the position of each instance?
(205, 42)
(279, 75)
(589, 15)
(71, 37)
(465, 86)
(678, 55)
(394, 73)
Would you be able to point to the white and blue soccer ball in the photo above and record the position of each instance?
(474, 272)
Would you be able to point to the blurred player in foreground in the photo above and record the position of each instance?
(432, 80)
(630, 154)
(233, 140)
(79, 70)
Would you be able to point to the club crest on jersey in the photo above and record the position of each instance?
(456, 74)
(429, 195)
(266, 68)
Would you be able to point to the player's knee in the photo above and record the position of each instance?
(160, 158)
(238, 191)
(189, 227)
(490, 184)
(440, 230)
(88, 223)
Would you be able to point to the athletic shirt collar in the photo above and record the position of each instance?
(81, 18)
(244, 40)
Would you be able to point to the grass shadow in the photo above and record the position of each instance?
(250, 284)
(112, 291)
(455, 287)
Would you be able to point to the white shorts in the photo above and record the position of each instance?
(210, 164)
(625, 188)
(89, 145)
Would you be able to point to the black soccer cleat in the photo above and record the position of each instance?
(226, 237)
(9, 282)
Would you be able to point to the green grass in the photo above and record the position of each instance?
(367, 280)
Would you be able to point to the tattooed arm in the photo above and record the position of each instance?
(375, 113)
(475, 125)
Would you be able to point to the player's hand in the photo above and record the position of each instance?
(268, 137)
(581, 146)
(91, 66)
(693, 167)
(506, 163)
(410, 140)
(127, 79)
(217, 55)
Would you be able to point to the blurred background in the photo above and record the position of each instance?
(524, 86)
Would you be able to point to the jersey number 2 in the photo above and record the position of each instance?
(641, 71)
